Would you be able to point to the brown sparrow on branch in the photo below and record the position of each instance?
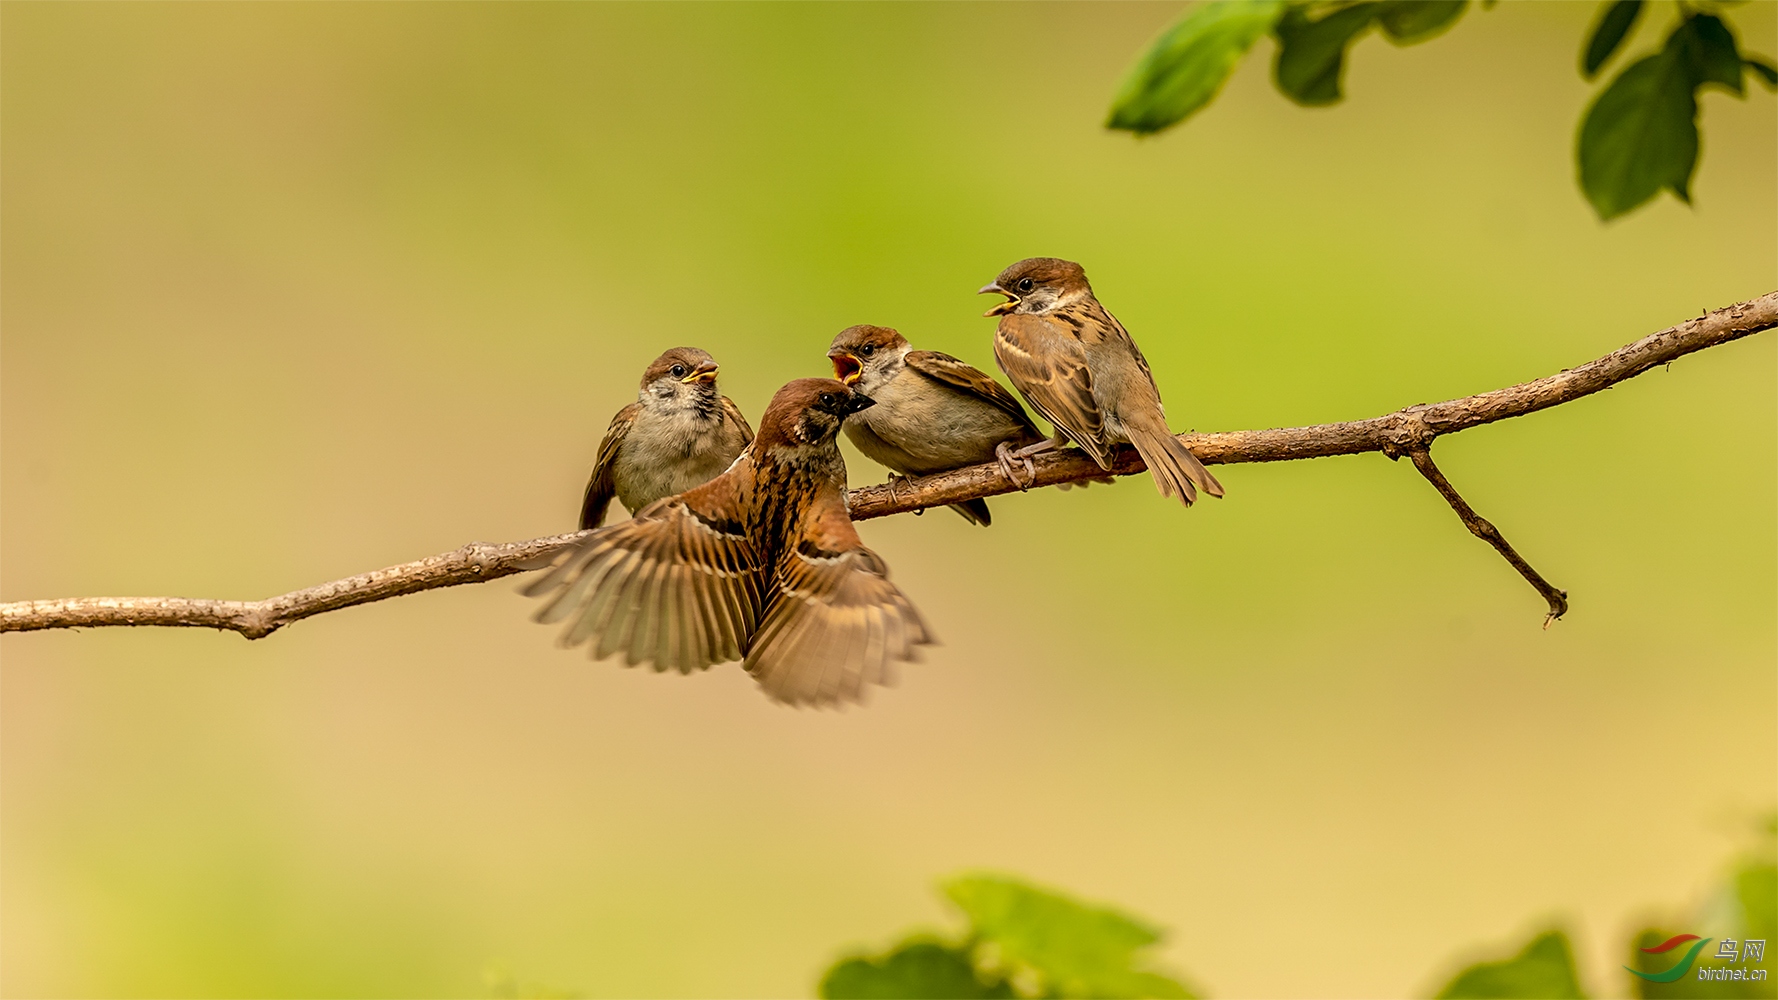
(760, 564)
(934, 413)
(1078, 367)
(679, 433)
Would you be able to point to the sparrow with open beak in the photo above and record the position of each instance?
(679, 433)
(934, 413)
(1078, 366)
(760, 564)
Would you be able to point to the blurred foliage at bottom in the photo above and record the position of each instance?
(1737, 924)
(1543, 968)
(1022, 941)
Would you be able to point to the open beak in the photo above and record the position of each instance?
(705, 372)
(846, 366)
(1011, 303)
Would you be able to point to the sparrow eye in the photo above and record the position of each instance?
(827, 399)
(1024, 284)
(678, 371)
(867, 350)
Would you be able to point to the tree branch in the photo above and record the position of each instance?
(1409, 431)
(1482, 528)
(477, 562)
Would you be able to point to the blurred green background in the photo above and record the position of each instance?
(296, 291)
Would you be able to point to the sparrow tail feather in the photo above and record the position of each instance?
(974, 511)
(1175, 469)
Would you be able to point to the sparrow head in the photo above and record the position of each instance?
(809, 411)
(684, 376)
(865, 357)
(1038, 285)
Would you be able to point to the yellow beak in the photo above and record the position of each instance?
(846, 366)
(1003, 308)
(705, 372)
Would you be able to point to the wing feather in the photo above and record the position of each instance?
(677, 586)
(601, 485)
(733, 414)
(819, 642)
(972, 380)
(1048, 363)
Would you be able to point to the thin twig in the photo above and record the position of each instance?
(1403, 432)
(1484, 529)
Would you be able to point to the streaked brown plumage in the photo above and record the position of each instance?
(933, 412)
(679, 433)
(1079, 368)
(761, 564)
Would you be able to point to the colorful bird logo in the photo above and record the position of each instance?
(1681, 967)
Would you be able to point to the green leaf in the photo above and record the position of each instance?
(1610, 33)
(919, 968)
(1312, 54)
(1184, 68)
(1640, 135)
(1543, 969)
(1766, 71)
(1406, 22)
(1708, 47)
(1073, 950)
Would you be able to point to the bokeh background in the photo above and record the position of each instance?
(296, 291)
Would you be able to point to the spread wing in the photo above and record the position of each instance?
(678, 586)
(732, 414)
(601, 487)
(1048, 363)
(960, 375)
(836, 623)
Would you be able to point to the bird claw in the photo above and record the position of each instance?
(893, 479)
(1004, 455)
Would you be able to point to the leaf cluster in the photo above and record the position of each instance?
(1186, 67)
(1022, 941)
(1543, 968)
(1639, 136)
(1641, 133)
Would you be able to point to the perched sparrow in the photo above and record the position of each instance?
(760, 564)
(679, 433)
(1078, 367)
(933, 412)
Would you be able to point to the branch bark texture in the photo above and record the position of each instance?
(1408, 431)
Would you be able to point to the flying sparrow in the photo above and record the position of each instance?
(760, 564)
(934, 413)
(1077, 365)
(680, 432)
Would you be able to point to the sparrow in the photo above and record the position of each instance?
(680, 432)
(761, 564)
(934, 413)
(1079, 368)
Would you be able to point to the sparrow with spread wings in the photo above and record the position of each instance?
(679, 433)
(1080, 369)
(933, 412)
(760, 564)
